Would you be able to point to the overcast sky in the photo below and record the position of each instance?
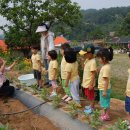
(98, 4)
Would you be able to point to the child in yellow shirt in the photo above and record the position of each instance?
(72, 79)
(89, 73)
(105, 55)
(67, 96)
(127, 99)
(36, 65)
(52, 71)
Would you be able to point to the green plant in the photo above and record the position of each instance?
(94, 119)
(119, 125)
(44, 94)
(56, 101)
(6, 127)
(73, 109)
(34, 88)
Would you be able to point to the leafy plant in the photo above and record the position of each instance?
(34, 88)
(94, 120)
(119, 125)
(44, 94)
(73, 109)
(56, 101)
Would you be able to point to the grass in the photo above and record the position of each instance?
(120, 65)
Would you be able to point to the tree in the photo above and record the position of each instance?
(125, 27)
(25, 15)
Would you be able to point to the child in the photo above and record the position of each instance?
(5, 88)
(37, 66)
(72, 78)
(105, 55)
(67, 96)
(127, 100)
(89, 73)
(52, 71)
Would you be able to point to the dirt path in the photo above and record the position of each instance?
(24, 121)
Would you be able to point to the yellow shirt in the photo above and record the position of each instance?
(73, 69)
(89, 66)
(105, 72)
(63, 72)
(35, 58)
(128, 85)
(51, 70)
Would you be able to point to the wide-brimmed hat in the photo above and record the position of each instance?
(89, 48)
(41, 29)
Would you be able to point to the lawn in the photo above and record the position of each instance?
(120, 65)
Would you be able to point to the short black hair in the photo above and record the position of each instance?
(70, 55)
(53, 54)
(107, 53)
(65, 46)
(36, 47)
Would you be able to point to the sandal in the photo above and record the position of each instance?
(68, 100)
(65, 97)
(89, 110)
(105, 117)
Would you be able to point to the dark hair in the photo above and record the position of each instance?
(65, 46)
(70, 55)
(44, 24)
(107, 53)
(36, 47)
(53, 54)
(129, 55)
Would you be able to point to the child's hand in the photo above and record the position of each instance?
(90, 87)
(104, 94)
(4, 61)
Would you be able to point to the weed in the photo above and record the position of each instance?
(44, 94)
(94, 120)
(34, 88)
(119, 125)
(56, 101)
(73, 109)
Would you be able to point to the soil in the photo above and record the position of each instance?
(24, 121)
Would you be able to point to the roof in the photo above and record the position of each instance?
(120, 40)
(60, 40)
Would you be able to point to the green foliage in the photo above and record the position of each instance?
(125, 27)
(26, 15)
(119, 125)
(34, 88)
(44, 94)
(6, 127)
(95, 122)
(56, 101)
(73, 109)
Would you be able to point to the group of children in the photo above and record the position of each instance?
(71, 80)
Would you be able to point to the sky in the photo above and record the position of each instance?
(99, 4)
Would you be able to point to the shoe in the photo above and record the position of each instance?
(39, 89)
(53, 94)
(47, 83)
(87, 107)
(104, 117)
(88, 111)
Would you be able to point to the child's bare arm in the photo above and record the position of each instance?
(92, 80)
(40, 65)
(105, 86)
(68, 78)
(54, 76)
(3, 66)
(12, 65)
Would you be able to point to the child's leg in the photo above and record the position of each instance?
(74, 89)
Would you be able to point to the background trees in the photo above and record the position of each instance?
(25, 15)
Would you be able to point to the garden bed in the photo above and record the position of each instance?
(23, 121)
